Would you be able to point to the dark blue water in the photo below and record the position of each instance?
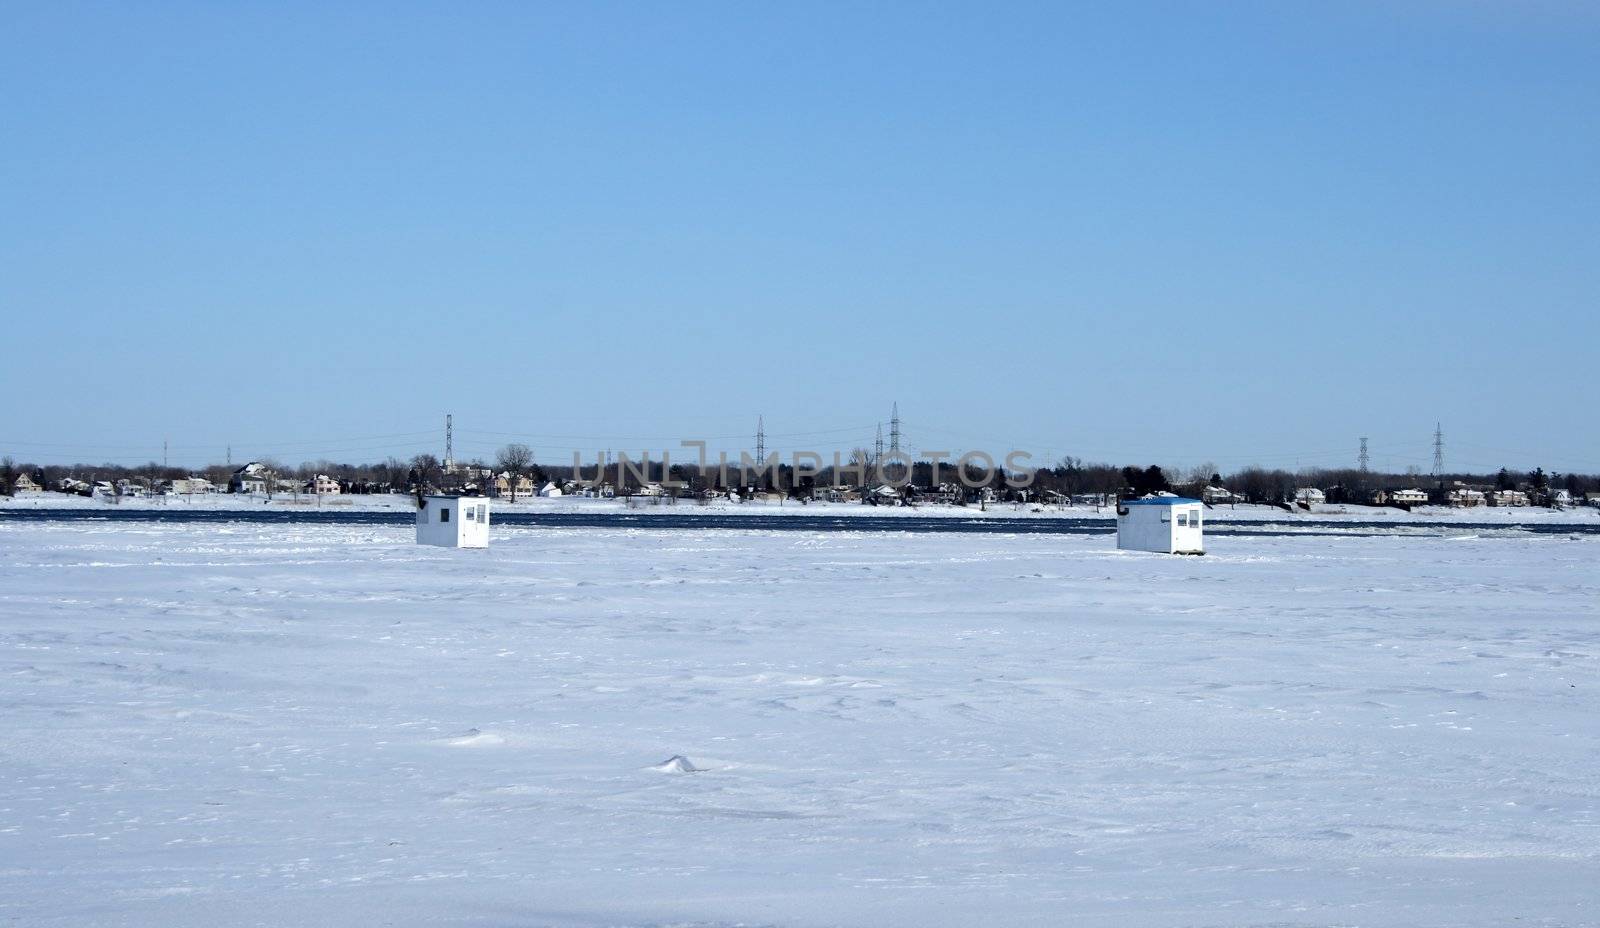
(987, 525)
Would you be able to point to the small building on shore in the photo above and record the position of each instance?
(1409, 497)
(1506, 498)
(518, 486)
(1310, 496)
(253, 478)
(323, 485)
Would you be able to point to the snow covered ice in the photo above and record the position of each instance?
(324, 725)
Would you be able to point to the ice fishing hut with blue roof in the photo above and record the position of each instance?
(1164, 524)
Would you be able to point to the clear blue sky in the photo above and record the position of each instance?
(1240, 232)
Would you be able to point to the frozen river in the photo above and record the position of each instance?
(1006, 520)
(321, 724)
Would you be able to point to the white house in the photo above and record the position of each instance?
(251, 478)
(1506, 498)
(507, 485)
(1165, 524)
(550, 489)
(1311, 496)
(322, 485)
(74, 485)
(1411, 497)
(453, 521)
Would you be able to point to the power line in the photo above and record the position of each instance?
(142, 448)
(657, 439)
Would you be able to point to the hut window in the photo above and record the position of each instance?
(444, 515)
(1183, 520)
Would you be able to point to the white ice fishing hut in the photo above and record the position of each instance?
(1165, 524)
(453, 521)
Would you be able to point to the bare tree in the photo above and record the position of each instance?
(861, 466)
(513, 459)
(270, 468)
(425, 470)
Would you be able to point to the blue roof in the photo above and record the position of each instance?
(1163, 501)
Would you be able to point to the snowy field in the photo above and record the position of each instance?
(396, 502)
(219, 724)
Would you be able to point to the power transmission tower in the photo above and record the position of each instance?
(1438, 449)
(163, 453)
(230, 457)
(761, 439)
(877, 447)
(894, 429)
(449, 442)
(1363, 459)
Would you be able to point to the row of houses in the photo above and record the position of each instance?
(255, 478)
(126, 488)
(1469, 497)
(1459, 496)
(252, 478)
(504, 485)
(883, 494)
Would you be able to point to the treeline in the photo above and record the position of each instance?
(1069, 477)
(353, 478)
(1273, 485)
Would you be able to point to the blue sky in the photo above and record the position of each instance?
(1176, 233)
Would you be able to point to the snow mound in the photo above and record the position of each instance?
(677, 763)
(473, 738)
